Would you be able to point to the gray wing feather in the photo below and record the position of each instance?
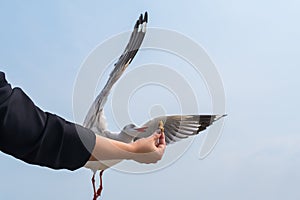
(178, 127)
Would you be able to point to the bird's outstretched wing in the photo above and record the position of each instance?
(95, 118)
(178, 127)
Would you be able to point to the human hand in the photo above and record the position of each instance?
(150, 149)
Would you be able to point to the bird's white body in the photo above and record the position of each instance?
(101, 165)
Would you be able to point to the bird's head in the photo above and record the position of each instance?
(133, 130)
(129, 127)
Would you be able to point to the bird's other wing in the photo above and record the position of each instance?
(95, 113)
(177, 127)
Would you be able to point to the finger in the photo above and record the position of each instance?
(162, 141)
(156, 135)
(155, 138)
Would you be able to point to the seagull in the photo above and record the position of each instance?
(175, 127)
(95, 118)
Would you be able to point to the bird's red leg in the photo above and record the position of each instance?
(94, 187)
(100, 187)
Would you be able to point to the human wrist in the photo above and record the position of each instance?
(134, 152)
(128, 150)
(131, 149)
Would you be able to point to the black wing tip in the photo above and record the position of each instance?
(146, 17)
(217, 117)
(136, 24)
(207, 120)
(220, 116)
(201, 128)
(141, 19)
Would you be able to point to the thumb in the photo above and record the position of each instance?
(156, 135)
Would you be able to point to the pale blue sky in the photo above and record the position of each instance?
(254, 45)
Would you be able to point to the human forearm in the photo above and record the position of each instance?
(108, 149)
(146, 150)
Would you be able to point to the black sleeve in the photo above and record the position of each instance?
(37, 137)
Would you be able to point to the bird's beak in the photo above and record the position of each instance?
(141, 130)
